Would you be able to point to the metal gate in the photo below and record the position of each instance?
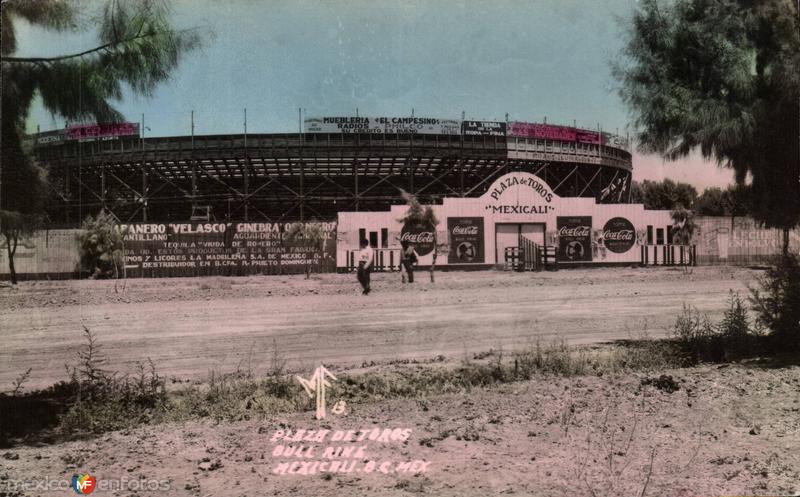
(530, 254)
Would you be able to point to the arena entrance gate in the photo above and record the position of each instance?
(519, 246)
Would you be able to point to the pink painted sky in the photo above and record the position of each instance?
(693, 170)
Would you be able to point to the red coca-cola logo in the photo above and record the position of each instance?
(619, 235)
(420, 236)
(465, 230)
(574, 231)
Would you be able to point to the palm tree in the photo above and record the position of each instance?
(136, 47)
(417, 214)
(683, 228)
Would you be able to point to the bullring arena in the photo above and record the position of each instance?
(508, 197)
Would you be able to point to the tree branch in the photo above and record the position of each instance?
(46, 60)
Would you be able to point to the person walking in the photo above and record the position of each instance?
(365, 258)
(408, 257)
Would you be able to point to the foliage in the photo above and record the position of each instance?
(683, 226)
(734, 337)
(137, 48)
(721, 77)
(13, 227)
(733, 201)
(103, 246)
(776, 302)
(663, 195)
(22, 188)
(103, 400)
(417, 214)
(311, 235)
(695, 335)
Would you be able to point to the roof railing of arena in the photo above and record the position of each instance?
(113, 131)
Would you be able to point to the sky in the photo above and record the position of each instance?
(532, 60)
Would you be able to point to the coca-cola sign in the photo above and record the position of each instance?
(465, 230)
(574, 231)
(574, 238)
(466, 240)
(619, 235)
(421, 236)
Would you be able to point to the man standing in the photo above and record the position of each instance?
(364, 265)
(408, 257)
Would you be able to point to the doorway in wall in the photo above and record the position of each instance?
(509, 234)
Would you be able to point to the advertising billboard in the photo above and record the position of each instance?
(542, 131)
(383, 125)
(466, 240)
(585, 136)
(619, 235)
(421, 236)
(201, 249)
(574, 238)
(483, 128)
(88, 132)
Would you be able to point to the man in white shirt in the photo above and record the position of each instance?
(365, 258)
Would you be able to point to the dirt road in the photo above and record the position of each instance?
(191, 326)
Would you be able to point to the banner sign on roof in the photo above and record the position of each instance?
(484, 128)
(383, 125)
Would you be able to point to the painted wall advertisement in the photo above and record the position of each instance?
(553, 132)
(466, 240)
(619, 235)
(574, 238)
(229, 249)
(383, 125)
(421, 236)
(86, 133)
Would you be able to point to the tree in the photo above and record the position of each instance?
(27, 181)
(103, 247)
(136, 47)
(721, 76)
(663, 195)
(683, 228)
(417, 214)
(311, 236)
(712, 202)
(776, 302)
(733, 202)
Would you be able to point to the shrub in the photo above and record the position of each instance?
(696, 336)
(734, 337)
(738, 335)
(102, 246)
(105, 401)
(776, 302)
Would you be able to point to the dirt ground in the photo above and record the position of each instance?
(719, 430)
(191, 326)
(731, 430)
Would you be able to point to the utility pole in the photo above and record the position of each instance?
(246, 175)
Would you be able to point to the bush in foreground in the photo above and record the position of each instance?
(776, 302)
(734, 337)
